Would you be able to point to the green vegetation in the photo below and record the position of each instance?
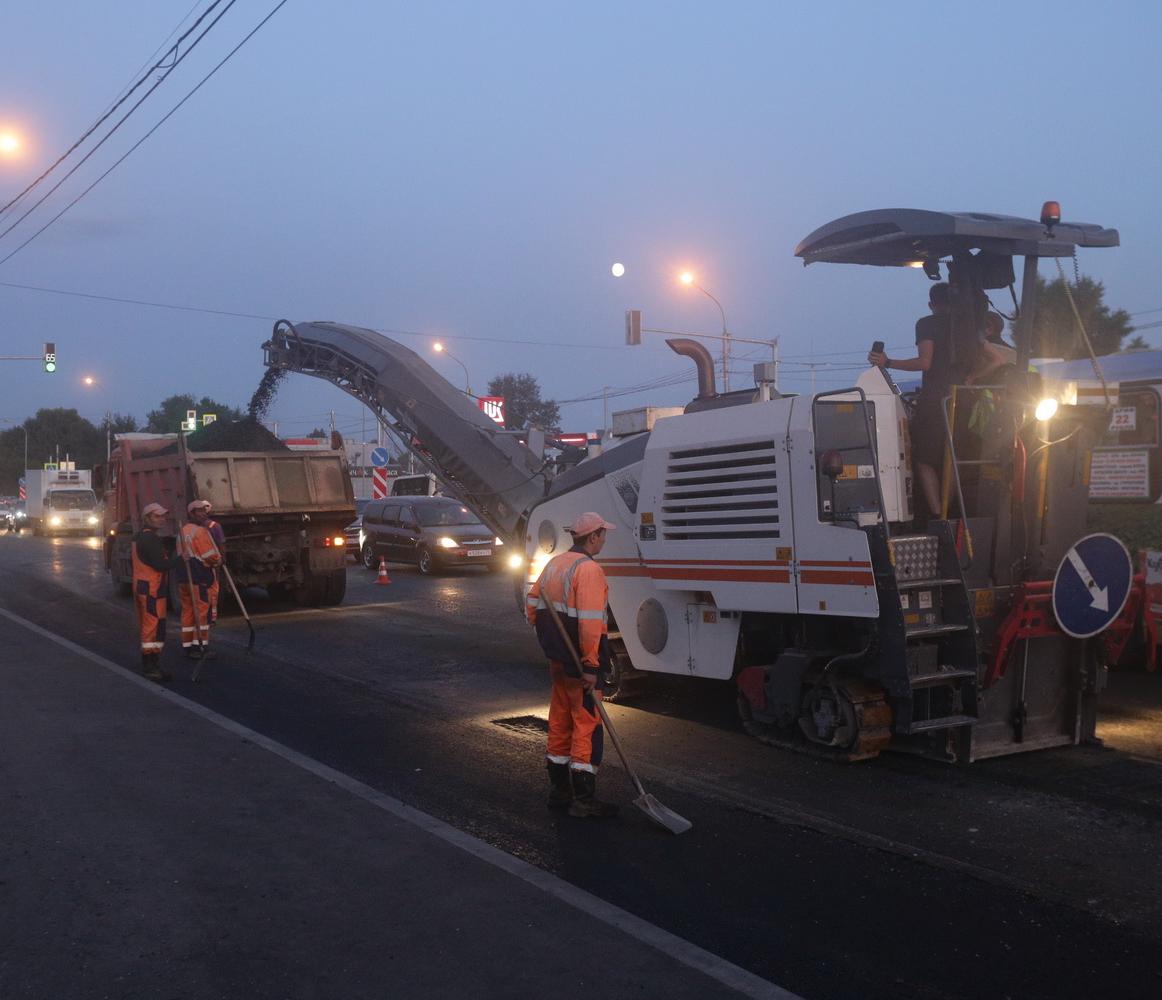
(1138, 525)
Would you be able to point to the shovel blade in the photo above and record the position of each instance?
(662, 815)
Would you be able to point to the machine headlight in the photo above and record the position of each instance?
(448, 543)
(1046, 408)
(515, 561)
(54, 521)
(92, 519)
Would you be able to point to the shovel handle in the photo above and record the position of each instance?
(241, 606)
(605, 720)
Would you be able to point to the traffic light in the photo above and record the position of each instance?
(633, 327)
(50, 357)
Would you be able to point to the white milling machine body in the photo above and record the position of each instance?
(769, 540)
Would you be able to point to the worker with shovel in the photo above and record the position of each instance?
(199, 511)
(202, 558)
(574, 585)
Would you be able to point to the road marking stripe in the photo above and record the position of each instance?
(679, 949)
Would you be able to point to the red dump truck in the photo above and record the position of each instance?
(283, 512)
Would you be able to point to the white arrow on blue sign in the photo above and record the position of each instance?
(379, 458)
(1091, 585)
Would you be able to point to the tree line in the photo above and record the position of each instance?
(59, 433)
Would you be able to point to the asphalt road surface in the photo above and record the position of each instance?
(1027, 876)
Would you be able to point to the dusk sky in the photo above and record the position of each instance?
(470, 172)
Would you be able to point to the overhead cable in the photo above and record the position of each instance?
(108, 135)
(169, 114)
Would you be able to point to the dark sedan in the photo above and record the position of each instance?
(351, 532)
(432, 532)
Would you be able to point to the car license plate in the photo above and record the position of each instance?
(480, 552)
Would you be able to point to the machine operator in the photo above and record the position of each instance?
(934, 360)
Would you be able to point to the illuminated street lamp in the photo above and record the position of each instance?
(687, 278)
(439, 348)
(10, 144)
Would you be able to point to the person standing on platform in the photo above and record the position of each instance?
(153, 558)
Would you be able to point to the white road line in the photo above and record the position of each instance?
(679, 949)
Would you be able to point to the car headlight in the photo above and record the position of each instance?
(515, 561)
(498, 540)
(92, 519)
(54, 521)
(448, 543)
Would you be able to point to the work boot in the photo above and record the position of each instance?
(585, 801)
(561, 790)
(195, 653)
(151, 668)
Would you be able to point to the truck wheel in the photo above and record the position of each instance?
(367, 556)
(336, 587)
(426, 565)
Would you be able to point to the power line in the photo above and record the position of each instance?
(229, 55)
(169, 69)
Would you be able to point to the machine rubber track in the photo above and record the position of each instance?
(871, 710)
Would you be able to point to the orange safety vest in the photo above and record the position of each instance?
(575, 585)
(197, 545)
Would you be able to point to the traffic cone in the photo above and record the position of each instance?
(383, 579)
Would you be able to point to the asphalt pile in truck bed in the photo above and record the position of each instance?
(234, 435)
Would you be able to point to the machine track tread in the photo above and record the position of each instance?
(871, 708)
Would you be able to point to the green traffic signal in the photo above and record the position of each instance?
(49, 357)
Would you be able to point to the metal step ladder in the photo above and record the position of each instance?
(939, 630)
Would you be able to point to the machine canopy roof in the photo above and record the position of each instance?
(898, 237)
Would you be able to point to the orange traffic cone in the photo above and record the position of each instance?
(383, 579)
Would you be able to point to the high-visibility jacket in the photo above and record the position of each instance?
(575, 585)
(197, 545)
(151, 587)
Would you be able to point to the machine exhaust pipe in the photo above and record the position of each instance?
(704, 362)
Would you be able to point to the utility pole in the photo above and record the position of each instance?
(604, 412)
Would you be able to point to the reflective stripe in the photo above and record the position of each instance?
(554, 759)
(593, 616)
(153, 645)
(578, 766)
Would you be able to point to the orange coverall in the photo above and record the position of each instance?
(197, 545)
(151, 589)
(576, 586)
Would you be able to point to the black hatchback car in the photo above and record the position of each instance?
(432, 532)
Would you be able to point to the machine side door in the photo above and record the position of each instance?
(833, 570)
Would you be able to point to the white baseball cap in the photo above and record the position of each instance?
(587, 523)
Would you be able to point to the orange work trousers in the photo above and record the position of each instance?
(575, 734)
(151, 611)
(191, 636)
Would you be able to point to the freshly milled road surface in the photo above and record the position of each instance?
(1027, 876)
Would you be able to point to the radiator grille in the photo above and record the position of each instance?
(721, 493)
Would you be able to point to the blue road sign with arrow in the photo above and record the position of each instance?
(379, 458)
(1091, 585)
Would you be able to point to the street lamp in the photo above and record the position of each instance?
(687, 278)
(89, 381)
(439, 348)
(10, 143)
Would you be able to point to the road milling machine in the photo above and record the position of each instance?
(769, 540)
